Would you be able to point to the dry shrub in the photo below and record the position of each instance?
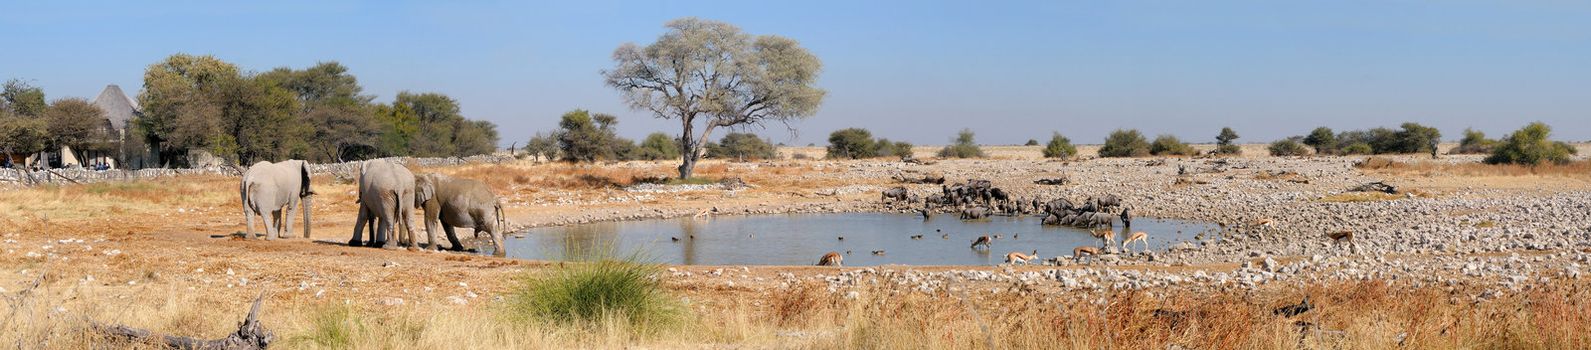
(559, 175)
(1576, 169)
(1359, 197)
(1579, 169)
(1376, 163)
(1276, 175)
(798, 304)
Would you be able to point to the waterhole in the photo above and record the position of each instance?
(800, 239)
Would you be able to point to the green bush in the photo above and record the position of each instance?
(1223, 142)
(1358, 148)
(1323, 140)
(857, 143)
(1287, 147)
(742, 146)
(1167, 145)
(1229, 149)
(658, 146)
(1409, 138)
(1415, 138)
(1059, 147)
(963, 146)
(593, 292)
(852, 143)
(1124, 143)
(900, 149)
(1474, 142)
(1530, 145)
(543, 146)
(586, 137)
(1031, 142)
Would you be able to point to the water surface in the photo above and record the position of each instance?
(799, 239)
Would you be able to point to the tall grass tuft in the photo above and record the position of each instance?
(595, 293)
(331, 327)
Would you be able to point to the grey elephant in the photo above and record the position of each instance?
(458, 202)
(386, 200)
(274, 191)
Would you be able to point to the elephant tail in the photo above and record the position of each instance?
(398, 219)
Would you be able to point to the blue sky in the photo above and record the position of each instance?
(911, 70)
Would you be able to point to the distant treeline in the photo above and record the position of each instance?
(318, 113)
(585, 137)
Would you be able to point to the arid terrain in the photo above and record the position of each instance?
(1463, 255)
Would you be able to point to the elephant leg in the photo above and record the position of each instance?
(359, 225)
(489, 223)
(404, 211)
(248, 217)
(287, 220)
(384, 233)
(452, 237)
(430, 230)
(371, 225)
(269, 218)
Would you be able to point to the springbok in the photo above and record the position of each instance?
(1340, 236)
(1106, 236)
(1018, 257)
(981, 241)
(1077, 253)
(1344, 236)
(831, 259)
(1262, 222)
(1140, 236)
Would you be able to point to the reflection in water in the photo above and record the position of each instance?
(799, 239)
(688, 238)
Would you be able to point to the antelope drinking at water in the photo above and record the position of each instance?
(981, 241)
(1139, 236)
(831, 259)
(1018, 257)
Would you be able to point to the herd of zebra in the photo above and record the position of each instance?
(979, 199)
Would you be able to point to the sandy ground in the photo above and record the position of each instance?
(121, 240)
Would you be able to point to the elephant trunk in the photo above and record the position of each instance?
(497, 235)
(307, 209)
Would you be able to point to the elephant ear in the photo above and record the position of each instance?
(424, 188)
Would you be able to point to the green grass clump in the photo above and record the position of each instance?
(591, 293)
(331, 327)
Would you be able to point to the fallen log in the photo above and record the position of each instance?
(249, 336)
(1377, 186)
(1052, 182)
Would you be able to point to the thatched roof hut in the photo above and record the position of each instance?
(118, 108)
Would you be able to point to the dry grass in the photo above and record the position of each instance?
(1359, 197)
(1577, 169)
(76, 202)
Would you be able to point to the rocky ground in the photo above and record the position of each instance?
(1478, 235)
(1469, 236)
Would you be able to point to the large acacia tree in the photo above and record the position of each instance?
(709, 74)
